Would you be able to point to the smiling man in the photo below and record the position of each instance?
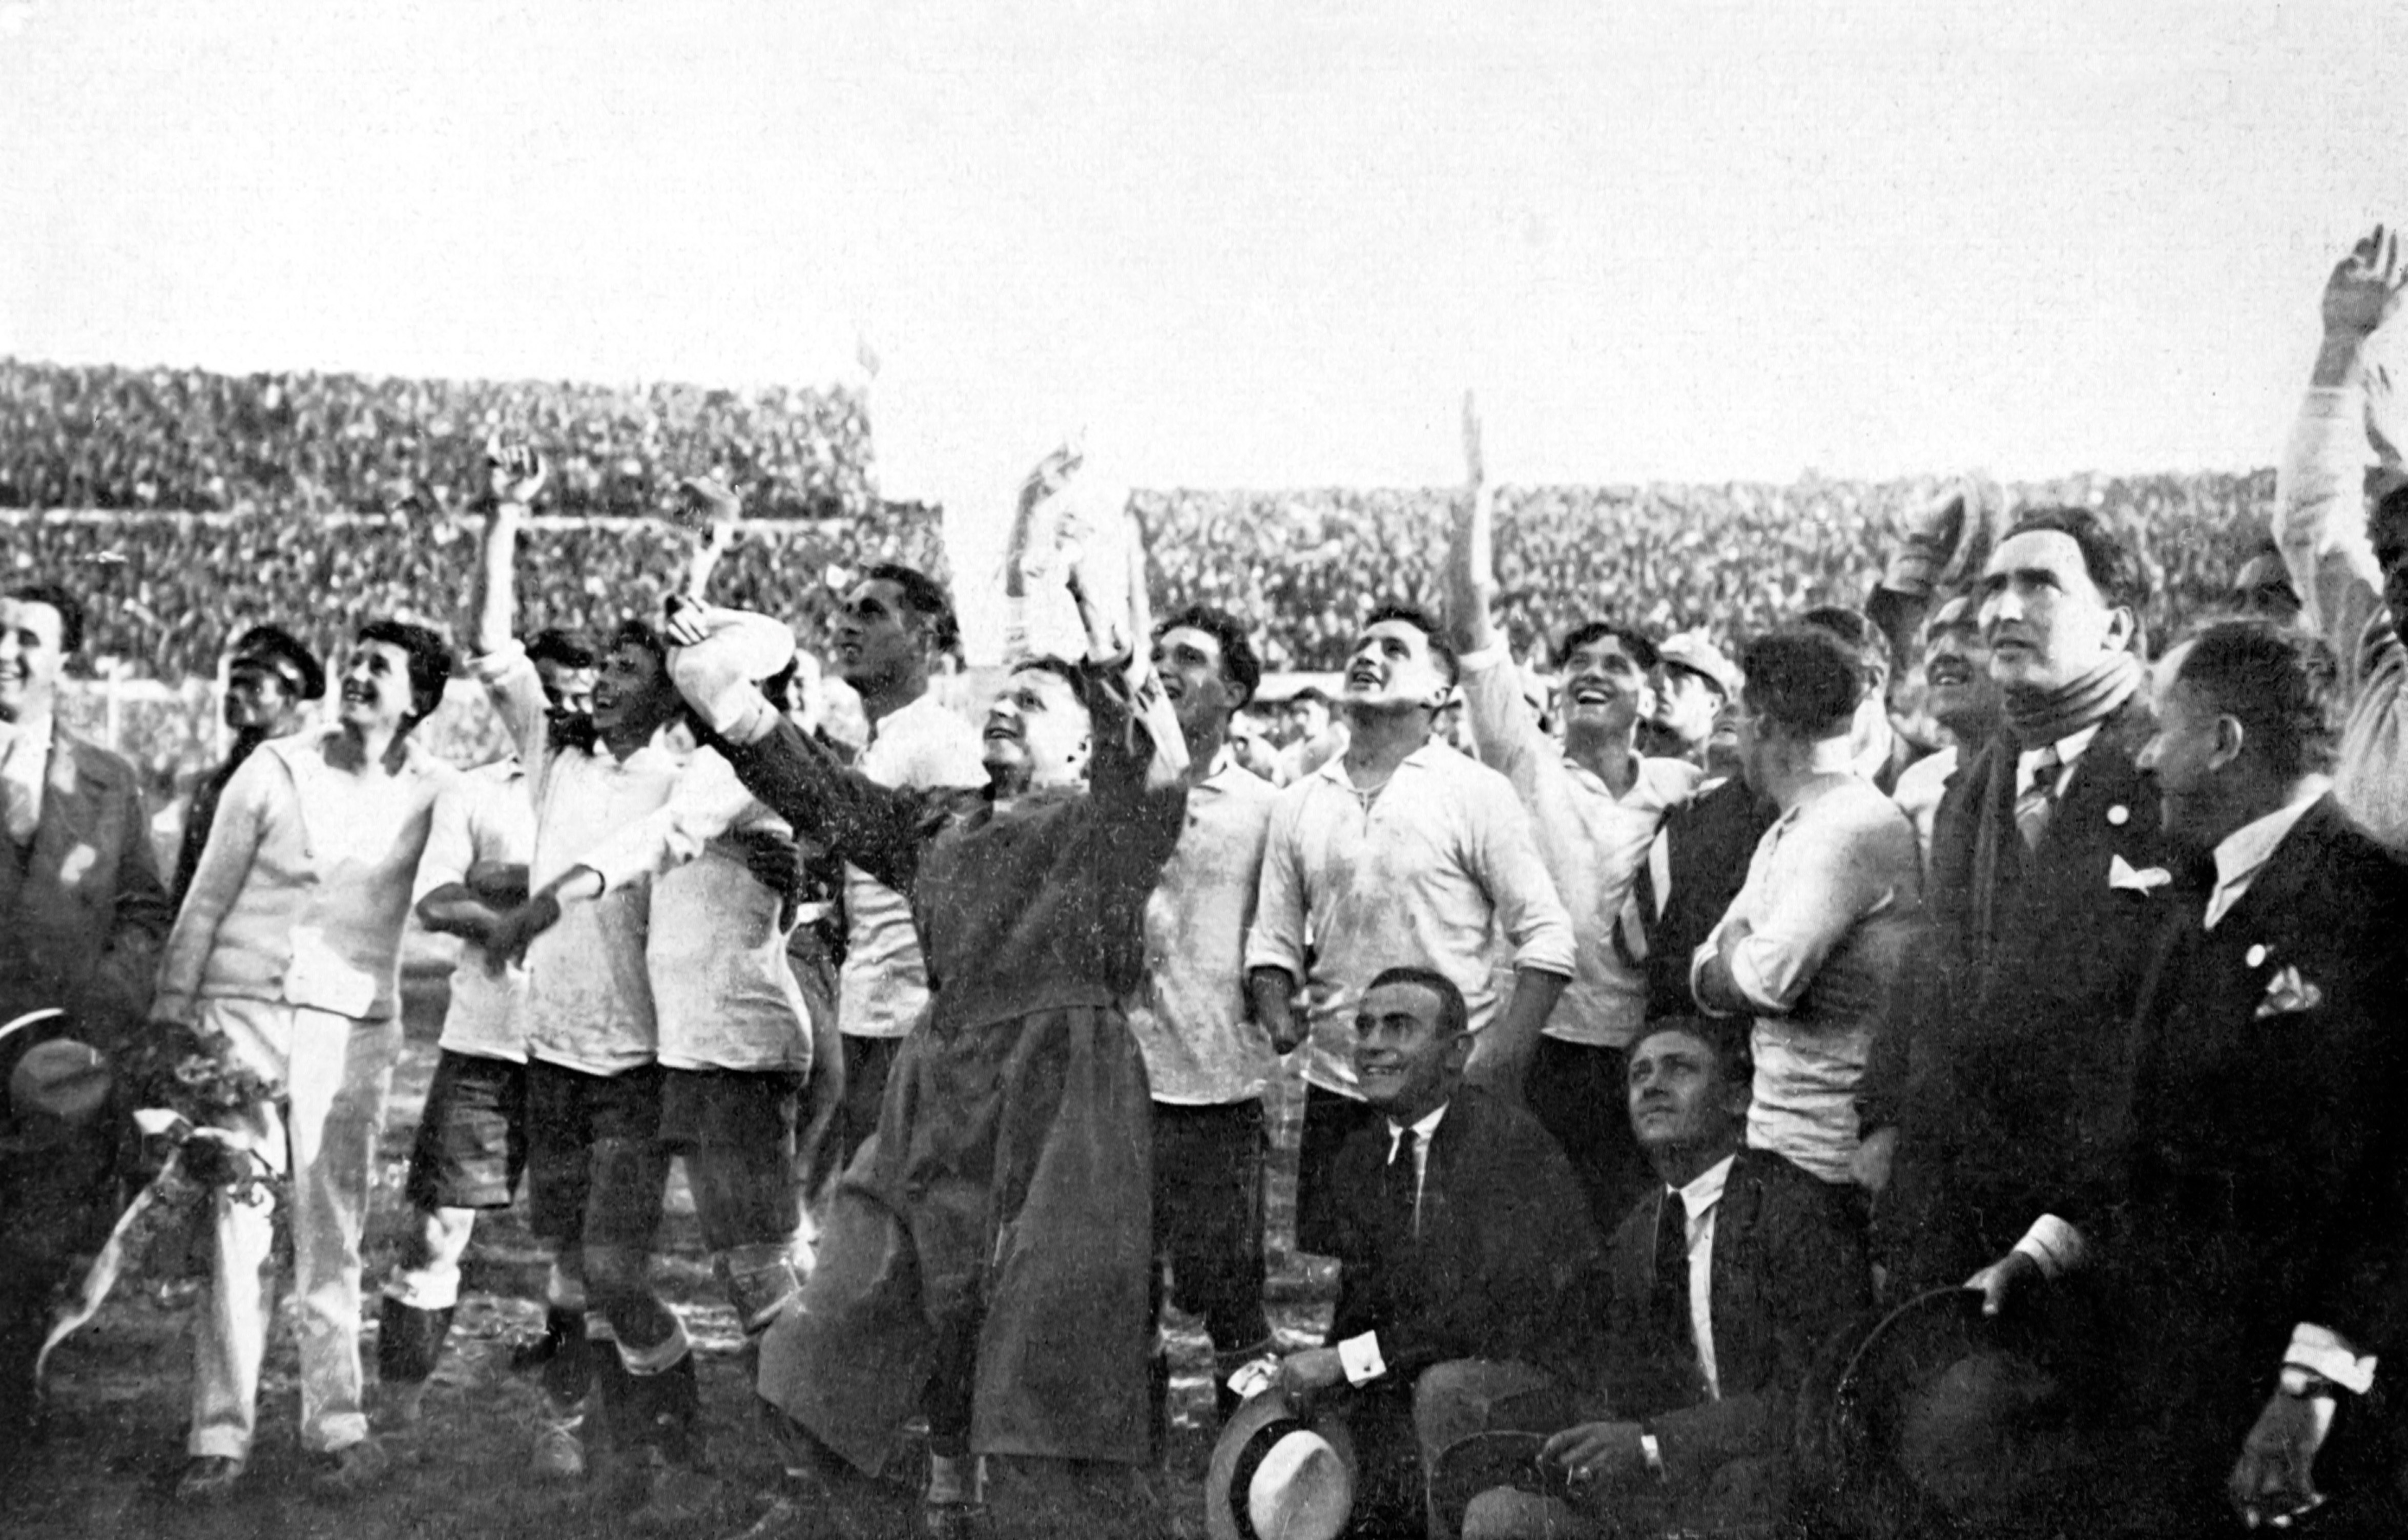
(984, 1261)
(81, 917)
(595, 1165)
(1462, 1243)
(2038, 946)
(82, 912)
(1207, 1061)
(290, 946)
(1398, 847)
(888, 639)
(1596, 805)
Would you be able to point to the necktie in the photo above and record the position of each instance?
(1403, 1187)
(2035, 803)
(1671, 1297)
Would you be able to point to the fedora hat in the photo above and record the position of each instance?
(1935, 1418)
(1280, 1474)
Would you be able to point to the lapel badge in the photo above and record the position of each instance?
(2119, 814)
(2256, 956)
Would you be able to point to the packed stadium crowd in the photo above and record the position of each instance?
(1931, 1066)
(189, 440)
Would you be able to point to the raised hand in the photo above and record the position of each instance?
(2364, 290)
(515, 471)
(706, 506)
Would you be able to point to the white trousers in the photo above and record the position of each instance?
(336, 1070)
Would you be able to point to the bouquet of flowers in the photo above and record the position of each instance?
(182, 1080)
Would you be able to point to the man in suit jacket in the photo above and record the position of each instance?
(1719, 1289)
(82, 911)
(82, 915)
(2046, 886)
(1461, 1234)
(2254, 1258)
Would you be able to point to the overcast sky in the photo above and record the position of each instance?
(1249, 245)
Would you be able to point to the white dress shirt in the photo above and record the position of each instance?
(24, 763)
(1441, 861)
(1703, 1199)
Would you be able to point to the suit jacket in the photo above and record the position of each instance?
(2267, 1177)
(1506, 1254)
(2016, 1006)
(1788, 1270)
(82, 911)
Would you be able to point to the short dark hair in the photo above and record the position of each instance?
(70, 610)
(1309, 692)
(431, 662)
(1803, 680)
(1424, 621)
(637, 632)
(925, 597)
(1061, 668)
(1239, 665)
(1635, 642)
(2281, 683)
(1856, 631)
(1454, 1016)
(2113, 566)
(551, 644)
(1729, 1037)
(274, 644)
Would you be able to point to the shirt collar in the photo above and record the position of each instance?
(2069, 747)
(2242, 854)
(1423, 1127)
(1705, 1188)
(1333, 768)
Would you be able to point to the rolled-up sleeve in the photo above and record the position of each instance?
(1508, 866)
(2320, 523)
(217, 883)
(451, 844)
(516, 691)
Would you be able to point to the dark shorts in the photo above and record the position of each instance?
(735, 1129)
(1583, 1096)
(595, 1165)
(1207, 1215)
(471, 1143)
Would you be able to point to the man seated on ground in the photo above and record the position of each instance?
(1461, 1234)
(1719, 1289)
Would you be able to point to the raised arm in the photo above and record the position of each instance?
(514, 473)
(1472, 548)
(2319, 505)
(879, 829)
